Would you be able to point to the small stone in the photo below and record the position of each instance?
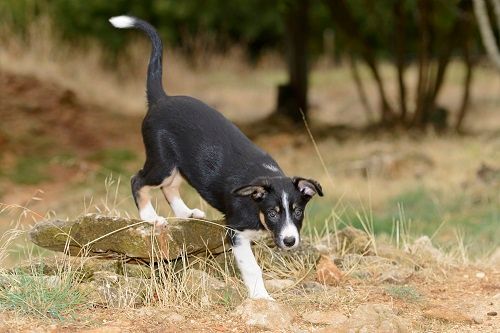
(110, 289)
(371, 318)
(424, 250)
(395, 274)
(264, 314)
(448, 314)
(492, 313)
(275, 285)
(313, 286)
(210, 289)
(480, 275)
(324, 317)
(175, 317)
(327, 272)
(477, 319)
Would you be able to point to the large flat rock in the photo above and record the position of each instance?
(117, 237)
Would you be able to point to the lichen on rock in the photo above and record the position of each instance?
(123, 238)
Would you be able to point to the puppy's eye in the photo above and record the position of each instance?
(272, 214)
(298, 212)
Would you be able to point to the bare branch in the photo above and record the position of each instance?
(486, 31)
(496, 8)
(360, 88)
(464, 104)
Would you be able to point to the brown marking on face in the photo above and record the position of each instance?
(263, 221)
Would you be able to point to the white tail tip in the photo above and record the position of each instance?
(122, 21)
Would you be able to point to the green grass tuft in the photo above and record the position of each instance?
(50, 297)
(406, 293)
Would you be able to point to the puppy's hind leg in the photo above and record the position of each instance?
(142, 198)
(170, 189)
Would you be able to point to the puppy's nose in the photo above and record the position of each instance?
(289, 241)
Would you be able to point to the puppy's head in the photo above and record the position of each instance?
(281, 201)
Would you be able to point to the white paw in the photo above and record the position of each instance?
(197, 214)
(156, 220)
(262, 296)
(160, 221)
(148, 214)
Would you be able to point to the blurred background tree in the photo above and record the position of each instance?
(426, 33)
(486, 28)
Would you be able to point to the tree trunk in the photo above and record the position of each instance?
(292, 97)
(462, 111)
(422, 98)
(469, 63)
(360, 88)
(486, 30)
(400, 57)
(461, 28)
(347, 24)
(432, 73)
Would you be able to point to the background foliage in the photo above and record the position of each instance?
(256, 25)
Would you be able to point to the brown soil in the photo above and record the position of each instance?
(460, 295)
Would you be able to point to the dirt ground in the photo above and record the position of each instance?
(460, 302)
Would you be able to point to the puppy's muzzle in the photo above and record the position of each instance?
(288, 242)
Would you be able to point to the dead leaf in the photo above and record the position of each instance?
(327, 272)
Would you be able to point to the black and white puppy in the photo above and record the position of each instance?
(185, 138)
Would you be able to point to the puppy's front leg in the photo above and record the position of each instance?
(249, 269)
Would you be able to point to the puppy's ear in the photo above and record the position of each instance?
(308, 187)
(257, 192)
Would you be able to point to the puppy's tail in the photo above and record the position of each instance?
(154, 86)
